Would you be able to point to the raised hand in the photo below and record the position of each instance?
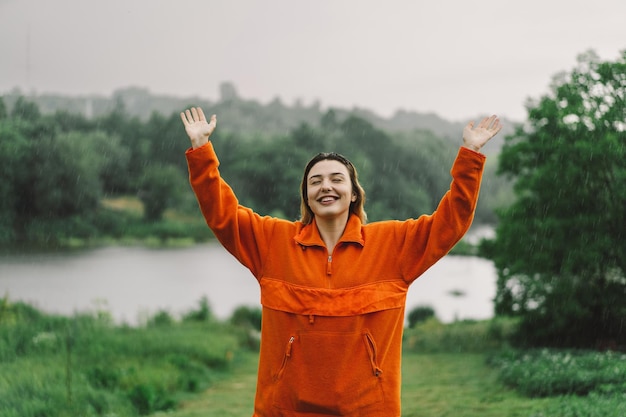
(475, 137)
(197, 127)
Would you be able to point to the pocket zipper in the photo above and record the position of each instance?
(371, 350)
(279, 374)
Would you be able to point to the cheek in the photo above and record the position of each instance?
(309, 196)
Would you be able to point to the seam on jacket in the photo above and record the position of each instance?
(351, 301)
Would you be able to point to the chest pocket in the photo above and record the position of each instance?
(331, 373)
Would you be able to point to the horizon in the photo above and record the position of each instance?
(452, 60)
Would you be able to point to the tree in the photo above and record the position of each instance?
(14, 149)
(3, 109)
(159, 187)
(559, 250)
(25, 110)
(65, 175)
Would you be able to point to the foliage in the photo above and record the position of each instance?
(85, 365)
(159, 188)
(559, 248)
(420, 314)
(58, 168)
(546, 372)
(202, 314)
(249, 317)
(432, 336)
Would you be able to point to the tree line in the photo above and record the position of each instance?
(58, 168)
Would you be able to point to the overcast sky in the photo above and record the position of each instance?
(453, 57)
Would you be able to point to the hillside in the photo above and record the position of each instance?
(249, 117)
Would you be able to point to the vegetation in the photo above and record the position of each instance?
(419, 314)
(464, 369)
(85, 365)
(61, 171)
(559, 249)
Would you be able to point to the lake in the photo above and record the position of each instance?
(133, 283)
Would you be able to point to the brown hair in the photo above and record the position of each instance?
(356, 207)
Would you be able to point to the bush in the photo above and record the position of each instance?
(432, 336)
(249, 317)
(420, 314)
(592, 406)
(84, 365)
(543, 373)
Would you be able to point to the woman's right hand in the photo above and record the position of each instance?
(197, 127)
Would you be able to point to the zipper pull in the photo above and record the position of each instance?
(328, 265)
(288, 351)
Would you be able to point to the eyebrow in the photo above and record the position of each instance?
(334, 174)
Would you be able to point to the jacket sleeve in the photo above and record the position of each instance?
(241, 231)
(424, 241)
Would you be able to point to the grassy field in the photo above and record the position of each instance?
(434, 385)
(84, 365)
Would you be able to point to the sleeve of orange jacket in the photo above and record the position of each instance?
(241, 231)
(424, 241)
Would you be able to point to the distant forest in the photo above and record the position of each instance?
(248, 117)
(64, 158)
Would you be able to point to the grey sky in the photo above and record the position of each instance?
(455, 58)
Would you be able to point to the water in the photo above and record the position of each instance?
(133, 283)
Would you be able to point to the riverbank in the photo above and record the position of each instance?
(132, 282)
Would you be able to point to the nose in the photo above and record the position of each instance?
(326, 185)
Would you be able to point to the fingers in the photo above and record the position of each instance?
(195, 114)
(491, 123)
(183, 117)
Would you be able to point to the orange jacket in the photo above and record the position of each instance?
(332, 323)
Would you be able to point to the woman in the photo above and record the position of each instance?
(333, 288)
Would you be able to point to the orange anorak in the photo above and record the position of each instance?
(332, 322)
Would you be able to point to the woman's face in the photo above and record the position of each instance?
(329, 189)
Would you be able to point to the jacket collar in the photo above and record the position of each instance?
(309, 235)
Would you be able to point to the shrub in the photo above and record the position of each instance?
(249, 317)
(546, 372)
(420, 314)
(432, 336)
(85, 366)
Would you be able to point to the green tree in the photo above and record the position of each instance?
(3, 109)
(65, 175)
(14, 149)
(559, 250)
(25, 110)
(159, 189)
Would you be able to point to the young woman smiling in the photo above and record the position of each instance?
(333, 287)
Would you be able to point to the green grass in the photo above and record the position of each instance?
(85, 366)
(455, 370)
(434, 385)
(459, 385)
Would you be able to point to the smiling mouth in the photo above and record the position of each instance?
(327, 199)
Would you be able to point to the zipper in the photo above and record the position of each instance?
(283, 365)
(329, 262)
(371, 350)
